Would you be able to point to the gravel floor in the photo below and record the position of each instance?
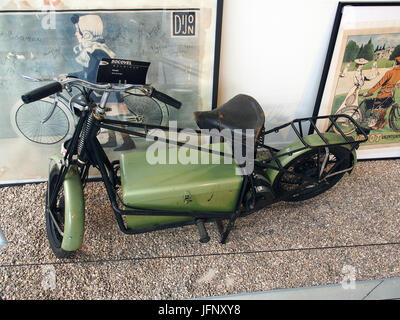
(288, 245)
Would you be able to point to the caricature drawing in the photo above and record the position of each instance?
(90, 50)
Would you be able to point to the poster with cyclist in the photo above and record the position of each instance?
(363, 80)
(367, 86)
(44, 38)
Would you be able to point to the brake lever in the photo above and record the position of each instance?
(30, 78)
(37, 79)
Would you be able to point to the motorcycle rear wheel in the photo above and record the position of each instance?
(324, 164)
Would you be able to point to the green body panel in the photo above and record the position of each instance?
(313, 140)
(212, 187)
(74, 211)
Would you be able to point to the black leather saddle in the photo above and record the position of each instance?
(241, 112)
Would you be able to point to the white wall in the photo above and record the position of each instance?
(275, 51)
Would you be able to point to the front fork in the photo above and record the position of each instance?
(70, 179)
(72, 173)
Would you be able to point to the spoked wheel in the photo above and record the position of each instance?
(394, 118)
(146, 110)
(55, 215)
(324, 165)
(42, 121)
(345, 124)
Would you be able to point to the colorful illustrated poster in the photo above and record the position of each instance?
(42, 39)
(364, 78)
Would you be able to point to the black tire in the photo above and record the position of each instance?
(53, 234)
(394, 118)
(309, 164)
(345, 124)
(147, 108)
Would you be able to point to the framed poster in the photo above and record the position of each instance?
(362, 75)
(45, 38)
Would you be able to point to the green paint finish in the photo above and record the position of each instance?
(178, 187)
(141, 222)
(313, 140)
(74, 211)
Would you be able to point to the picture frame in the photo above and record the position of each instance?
(359, 76)
(181, 39)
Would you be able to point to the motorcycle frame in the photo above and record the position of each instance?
(95, 156)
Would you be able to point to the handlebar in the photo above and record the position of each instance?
(166, 99)
(63, 82)
(42, 92)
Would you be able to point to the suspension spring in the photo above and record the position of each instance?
(85, 135)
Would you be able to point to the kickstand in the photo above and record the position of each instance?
(225, 233)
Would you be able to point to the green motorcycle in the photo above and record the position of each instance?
(147, 197)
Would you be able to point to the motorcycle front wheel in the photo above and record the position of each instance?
(55, 215)
(324, 165)
(345, 124)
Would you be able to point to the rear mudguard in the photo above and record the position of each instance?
(74, 209)
(313, 140)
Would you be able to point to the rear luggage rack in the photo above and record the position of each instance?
(297, 127)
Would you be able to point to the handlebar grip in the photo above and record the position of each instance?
(166, 99)
(42, 92)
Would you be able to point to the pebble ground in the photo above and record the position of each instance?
(350, 231)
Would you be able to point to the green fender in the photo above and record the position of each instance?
(74, 219)
(313, 140)
(74, 211)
